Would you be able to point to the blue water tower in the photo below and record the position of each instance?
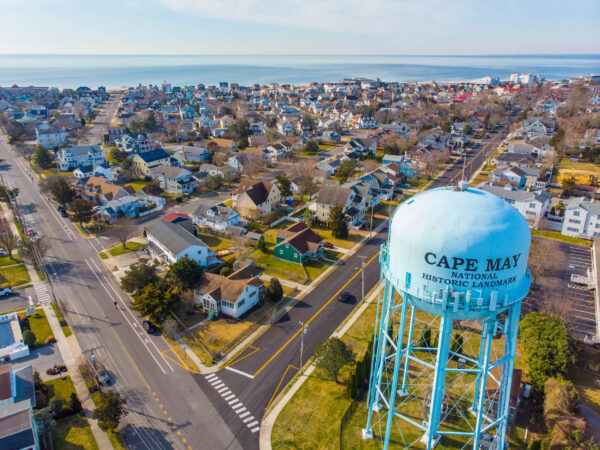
(453, 275)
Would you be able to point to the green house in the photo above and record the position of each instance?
(298, 243)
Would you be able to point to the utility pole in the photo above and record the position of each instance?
(302, 333)
(93, 357)
(362, 273)
(371, 227)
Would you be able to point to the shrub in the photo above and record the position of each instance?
(29, 338)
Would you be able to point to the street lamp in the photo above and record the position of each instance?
(362, 276)
(304, 331)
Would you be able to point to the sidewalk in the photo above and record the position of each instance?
(68, 348)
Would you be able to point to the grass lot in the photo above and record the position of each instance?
(215, 243)
(417, 183)
(61, 319)
(228, 203)
(131, 246)
(39, 326)
(103, 255)
(60, 387)
(580, 170)
(276, 267)
(585, 379)
(14, 275)
(347, 243)
(326, 146)
(558, 236)
(74, 433)
(137, 185)
(6, 261)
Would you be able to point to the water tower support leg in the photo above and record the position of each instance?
(398, 357)
(488, 331)
(437, 394)
(510, 348)
(407, 351)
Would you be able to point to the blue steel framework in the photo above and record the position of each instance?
(401, 377)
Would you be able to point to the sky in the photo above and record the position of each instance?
(309, 27)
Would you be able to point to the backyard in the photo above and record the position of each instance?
(39, 326)
(130, 246)
(14, 275)
(580, 170)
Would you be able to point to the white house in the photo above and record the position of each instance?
(396, 127)
(80, 155)
(533, 205)
(231, 296)
(285, 128)
(49, 136)
(170, 242)
(582, 218)
(216, 217)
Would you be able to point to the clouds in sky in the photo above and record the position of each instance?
(300, 26)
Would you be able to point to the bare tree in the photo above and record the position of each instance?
(557, 304)
(170, 327)
(539, 253)
(123, 230)
(188, 299)
(9, 242)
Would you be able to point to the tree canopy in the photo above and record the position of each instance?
(187, 272)
(332, 355)
(155, 302)
(138, 276)
(346, 170)
(110, 409)
(42, 157)
(337, 222)
(83, 210)
(549, 351)
(275, 291)
(59, 188)
(284, 184)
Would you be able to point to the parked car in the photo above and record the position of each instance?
(406, 186)
(102, 374)
(148, 326)
(327, 244)
(62, 211)
(30, 232)
(6, 292)
(3, 252)
(343, 296)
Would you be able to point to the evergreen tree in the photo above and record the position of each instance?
(337, 222)
(42, 157)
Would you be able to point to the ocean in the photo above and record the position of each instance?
(129, 70)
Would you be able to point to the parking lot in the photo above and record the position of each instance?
(555, 291)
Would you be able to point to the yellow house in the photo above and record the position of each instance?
(144, 163)
(256, 198)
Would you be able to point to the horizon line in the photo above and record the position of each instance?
(306, 54)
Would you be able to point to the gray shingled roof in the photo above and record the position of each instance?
(332, 195)
(173, 237)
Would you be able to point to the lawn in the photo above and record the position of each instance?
(38, 324)
(316, 268)
(61, 319)
(580, 170)
(103, 255)
(6, 261)
(60, 387)
(130, 246)
(215, 243)
(558, 236)
(14, 275)
(137, 185)
(74, 433)
(276, 267)
(347, 243)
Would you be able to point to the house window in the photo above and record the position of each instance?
(281, 252)
(227, 304)
(241, 302)
(572, 229)
(574, 221)
(253, 294)
(576, 213)
(295, 255)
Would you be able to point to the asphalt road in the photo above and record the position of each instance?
(103, 120)
(166, 407)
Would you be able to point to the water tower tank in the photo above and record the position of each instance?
(468, 240)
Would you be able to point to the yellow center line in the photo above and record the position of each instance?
(314, 316)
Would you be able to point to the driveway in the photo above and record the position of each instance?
(19, 299)
(41, 359)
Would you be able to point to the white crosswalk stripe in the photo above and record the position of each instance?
(234, 403)
(41, 292)
(254, 430)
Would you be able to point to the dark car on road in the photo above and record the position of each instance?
(62, 211)
(148, 326)
(343, 296)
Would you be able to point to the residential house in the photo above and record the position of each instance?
(104, 190)
(285, 128)
(533, 127)
(134, 144)
(582, 218)
(256, 198)
(298, 244)
(174, 180)
(523, 148)
(514, 175)
(227, 144)
(170, 242)
(232, 296)
(18, 428)
(278, 151)
(533, 205)
(144, 163)
(354, 205)
(49, 136)
(399, 128)
(361, 146)
(72, 157)
(407, 167)
(217, 217)
(211, 169)
(331, 136)
(115, 134)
